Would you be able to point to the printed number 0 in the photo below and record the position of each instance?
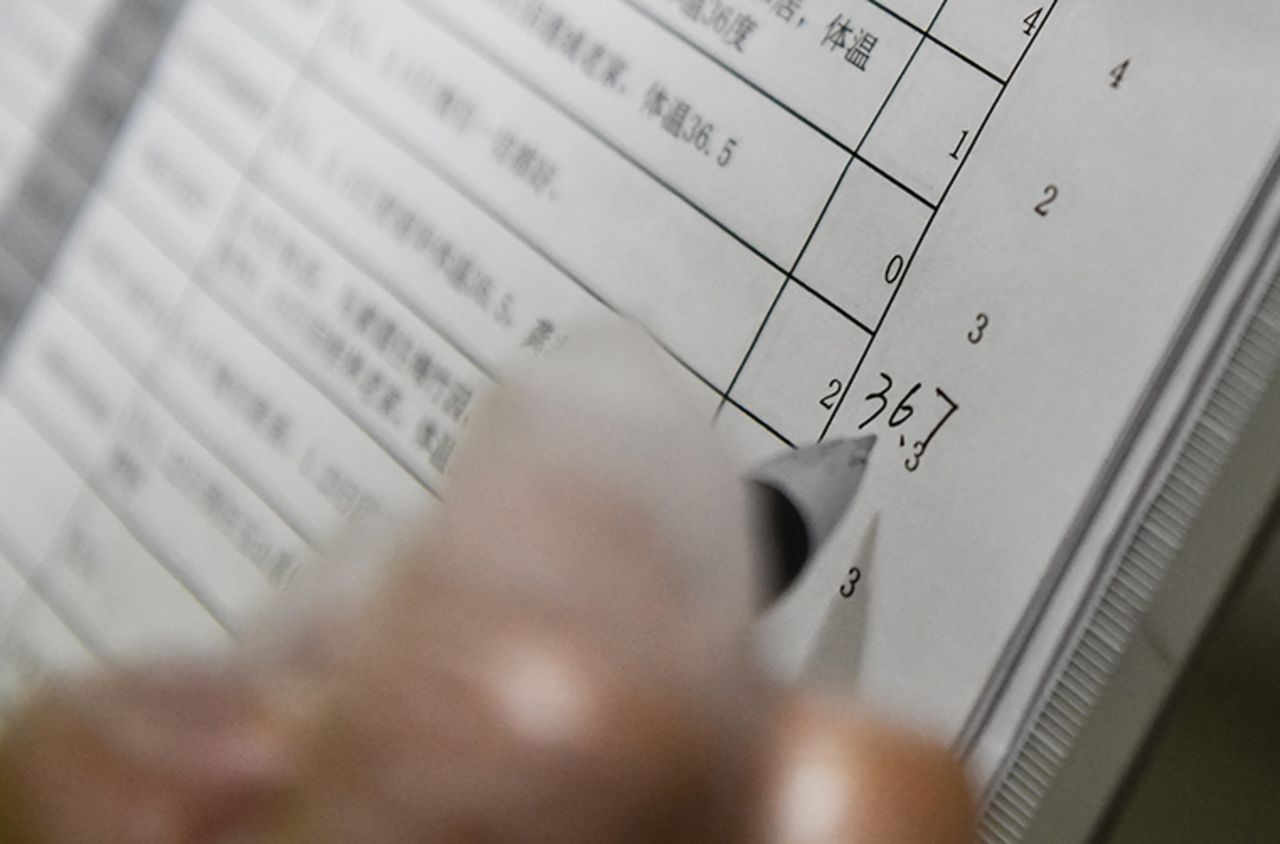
(1050, 197)
(893, 272)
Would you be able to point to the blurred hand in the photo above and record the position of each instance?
(563, 655)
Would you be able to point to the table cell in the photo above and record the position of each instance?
(12, 587)
(116, 280)
(748, 441)
(16, 143)
(86, 125)
(170, 182)
(919, 12)
(38, 56)
(796, 373)
(36, 649)
(495, 312)
(43, 207)
(293, 24)
(77, 384)
(81, 16)
(831, 61)
(860, 253)
(17, 288)
(221, 80)
(136, 31)
(425, 229)
(730, 150)
(993, 33)
(284, 436)
(227, 545)
(930, 124)
(37, 487)
(124, 597)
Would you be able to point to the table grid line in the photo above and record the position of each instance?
(34, 419)
(37, 588)
(896, 182)
(172, 406)
(928, 33)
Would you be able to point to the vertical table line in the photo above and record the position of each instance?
(933, 215)
(853, 156)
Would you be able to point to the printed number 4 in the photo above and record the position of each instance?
(1031, 21)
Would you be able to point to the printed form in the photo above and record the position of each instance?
(260, 259)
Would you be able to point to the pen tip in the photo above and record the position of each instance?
(809, 491)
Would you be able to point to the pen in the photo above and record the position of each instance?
(804, 495)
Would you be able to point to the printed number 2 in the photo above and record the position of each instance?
(1050, 196)
(829, 401)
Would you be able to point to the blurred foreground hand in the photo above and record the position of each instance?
(563, 655)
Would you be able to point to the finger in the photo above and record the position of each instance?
(565, 656)
(606, 423)
(172, 754)
(839, 780)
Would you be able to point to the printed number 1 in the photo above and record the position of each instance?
(1118, 73)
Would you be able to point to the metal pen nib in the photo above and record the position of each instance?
(806, 493)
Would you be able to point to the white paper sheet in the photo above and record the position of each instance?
(972, 228)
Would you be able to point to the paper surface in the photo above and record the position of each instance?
(974, 229)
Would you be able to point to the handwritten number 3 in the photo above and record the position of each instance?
(882, 397)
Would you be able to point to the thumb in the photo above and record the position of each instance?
(174, 753)
(840, 780)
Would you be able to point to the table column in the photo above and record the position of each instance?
(167, 517)
(793, 376)
(68, 100)
(797, 377)
(67, 44)
(919, 147)
(198, 517)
